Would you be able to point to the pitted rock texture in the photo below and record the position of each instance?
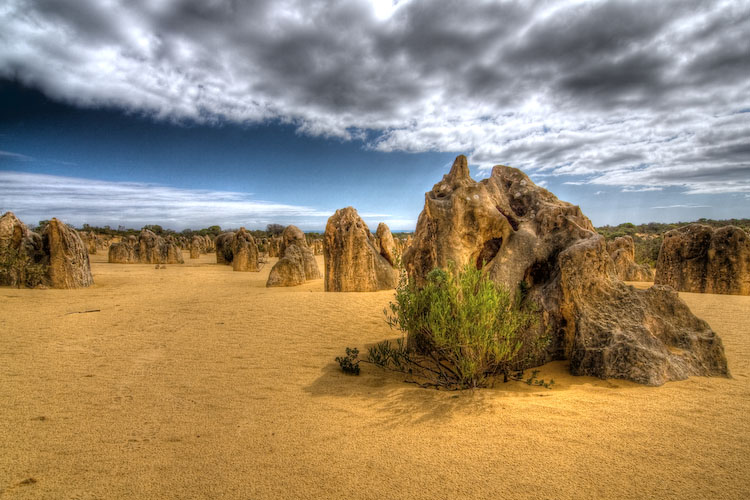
(697, 258)
(352, 262)
(519, 232)
(68, 265)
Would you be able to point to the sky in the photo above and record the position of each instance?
(190, 113)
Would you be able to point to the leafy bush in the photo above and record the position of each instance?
(17, 270)
(461, 329)
(349, 363)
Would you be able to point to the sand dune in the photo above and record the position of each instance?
(198, 382)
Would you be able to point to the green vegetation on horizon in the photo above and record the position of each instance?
(647, 238)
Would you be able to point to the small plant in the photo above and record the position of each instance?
(349, 363)
(533, 380)
(18, 270)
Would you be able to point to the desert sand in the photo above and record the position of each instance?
(198, 382)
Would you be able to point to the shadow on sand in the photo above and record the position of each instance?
(400, 402)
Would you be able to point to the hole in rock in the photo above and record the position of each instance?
(488, 252)
(510, 218)
(518, 205)
(541, 271)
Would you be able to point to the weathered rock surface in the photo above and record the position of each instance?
(297, 263)
(697, 258)
(223, 245)
(622, 251)
(68, 265)
(58, 258)
(148, 248)
(244, 251)
(352, 263)
(520, 232)
(386, 244)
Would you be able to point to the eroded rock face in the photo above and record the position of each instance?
(352, 263)
(622, 251)
(697, 258)
(148, 248)
(69, 265)
(386, 244)
(520, 232)
(223, 246)
(244, 251)
(297, 263)
(58, 258)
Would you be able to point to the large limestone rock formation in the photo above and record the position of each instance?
(223, 246)
(68, 264)
(148, 248)
(297, 263)
(386, 244)
(697, 258)
(352, 263)
(519, 232)
(244, 252)
(57, 258)
(622, 251)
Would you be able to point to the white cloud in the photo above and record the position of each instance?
(682, 206)
(619, 93)
(34, 197)
(640, 189)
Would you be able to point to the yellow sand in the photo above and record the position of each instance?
(198, 382)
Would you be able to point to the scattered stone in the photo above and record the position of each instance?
(148, 248)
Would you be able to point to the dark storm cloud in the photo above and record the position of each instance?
(631, 93)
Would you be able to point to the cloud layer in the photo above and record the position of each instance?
(35, 197)
(634, 94)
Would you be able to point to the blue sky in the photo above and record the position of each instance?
(190, 113)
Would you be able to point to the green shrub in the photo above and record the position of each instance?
(17, 270)
(349, 363)
(461, 329)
